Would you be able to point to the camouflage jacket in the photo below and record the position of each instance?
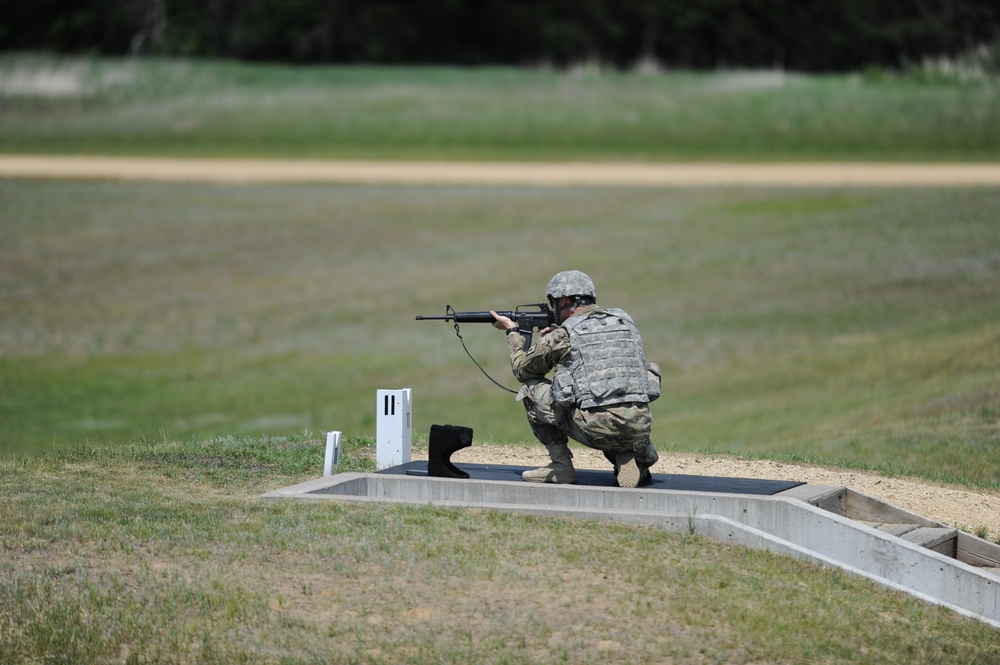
(595, 364)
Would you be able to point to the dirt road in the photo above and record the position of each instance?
(499, 173)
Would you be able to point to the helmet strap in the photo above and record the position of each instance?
(559, 309)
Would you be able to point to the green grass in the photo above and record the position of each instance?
(855, 326)
(178, 107)
(159, 552)
(168, 353)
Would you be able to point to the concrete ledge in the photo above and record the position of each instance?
(788, 525)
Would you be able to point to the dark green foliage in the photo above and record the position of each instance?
(808, 35)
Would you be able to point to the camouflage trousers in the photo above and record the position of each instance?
(619, 428)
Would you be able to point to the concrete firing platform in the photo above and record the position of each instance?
(829, 526)
(606, 478)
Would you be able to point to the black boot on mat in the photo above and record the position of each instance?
(445, 440)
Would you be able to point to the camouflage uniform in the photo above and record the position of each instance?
(613, 429)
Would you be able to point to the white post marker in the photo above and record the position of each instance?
(393, 433)
(332, 453)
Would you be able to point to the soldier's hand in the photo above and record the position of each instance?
(502, 322)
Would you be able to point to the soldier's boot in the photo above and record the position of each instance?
(645, 475)
(646, 459)
(559, 470)
(643, 461)
(629, 471)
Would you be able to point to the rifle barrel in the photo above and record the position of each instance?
(541, 316)
(468, 317)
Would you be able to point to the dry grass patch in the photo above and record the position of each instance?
(161, 553)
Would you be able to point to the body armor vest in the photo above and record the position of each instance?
(606, 362)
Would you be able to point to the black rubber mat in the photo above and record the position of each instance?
(595, 478)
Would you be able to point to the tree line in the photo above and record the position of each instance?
(798, 35)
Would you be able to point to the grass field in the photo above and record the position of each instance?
(159, 553)
(843, 325)
(170, 351)
(177, 107)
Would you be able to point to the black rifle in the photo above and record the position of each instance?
(528, 318)
(538, 317)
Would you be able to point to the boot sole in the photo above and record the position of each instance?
(629, 474)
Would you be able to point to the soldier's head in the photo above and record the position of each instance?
(568, 290)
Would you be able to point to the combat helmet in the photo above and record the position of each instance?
(570, 283)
